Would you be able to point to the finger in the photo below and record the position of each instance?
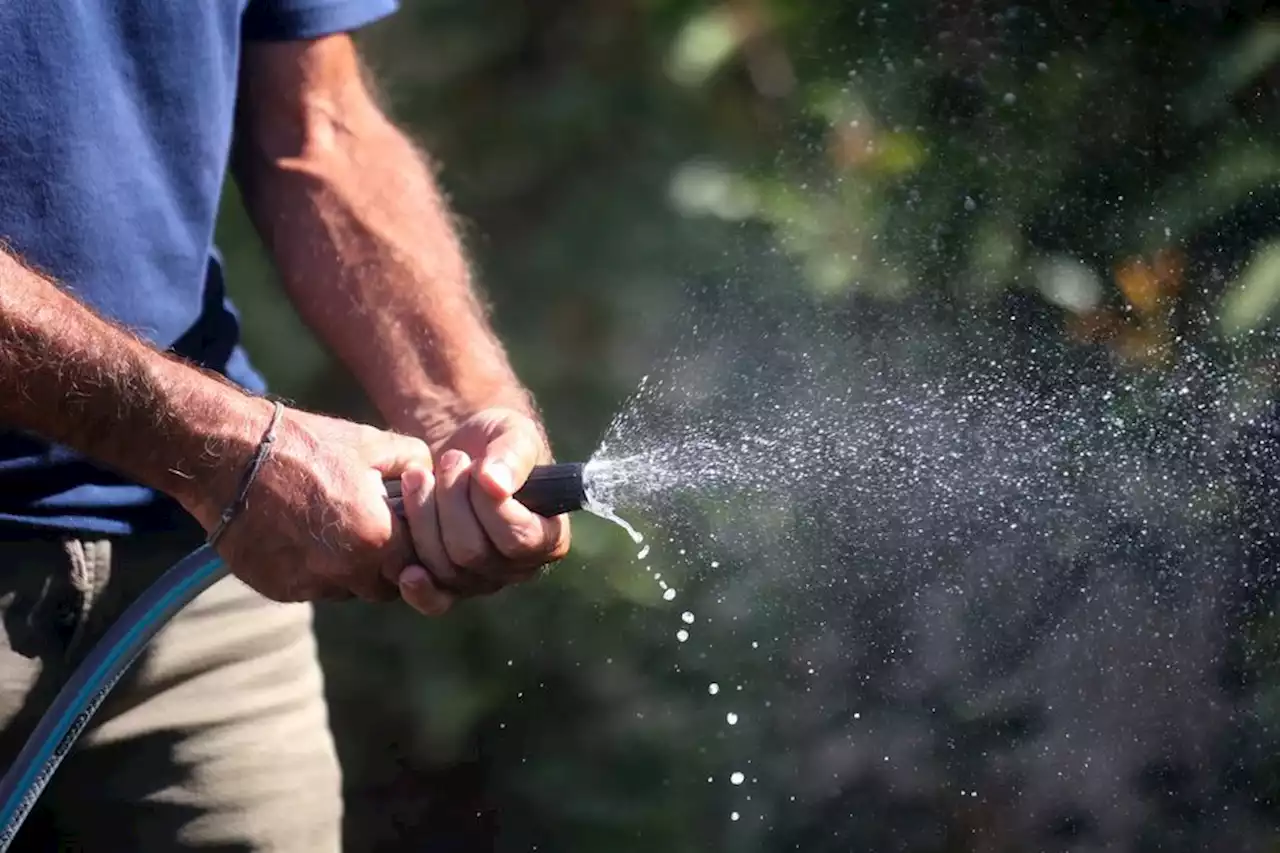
(418, 488)
(420, 511)
(524, 538)
(509, 458)
(420, 592)
(375, 580)
(464, 539)
(391, 453)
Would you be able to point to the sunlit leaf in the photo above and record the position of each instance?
(1068, 283)
(709, 189)
(1150, 284)
(706, 42)
(1254, 296)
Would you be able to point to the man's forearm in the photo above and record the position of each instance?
(368, 253)
(73, 378)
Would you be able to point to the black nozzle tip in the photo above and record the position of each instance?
(549, 491)
(552, 490)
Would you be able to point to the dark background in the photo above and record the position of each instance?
(1074, 194)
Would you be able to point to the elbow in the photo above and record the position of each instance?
(315, 136)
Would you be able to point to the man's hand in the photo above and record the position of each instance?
(366, 248)
(318, 524)
(471, 536)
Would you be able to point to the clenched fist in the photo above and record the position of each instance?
(317, 524)
(471, 536)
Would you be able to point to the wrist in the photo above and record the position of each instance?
(216, 429)
(435, 416)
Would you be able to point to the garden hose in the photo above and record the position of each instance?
(549, 491)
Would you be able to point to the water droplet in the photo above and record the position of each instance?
(734, 816)
(687, 617)
(731, 718)
(737, 777)
(682, 635)
(713, 688)
(608, 514)
(669, 595)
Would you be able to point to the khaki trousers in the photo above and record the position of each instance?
(217, 738)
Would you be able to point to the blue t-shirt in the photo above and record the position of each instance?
(115, 129)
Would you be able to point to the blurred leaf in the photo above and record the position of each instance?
(1150, 285)
(703, 188)
(1232, 70)
(1254, 296)
(708, 40)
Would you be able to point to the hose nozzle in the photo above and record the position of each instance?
(550, 490)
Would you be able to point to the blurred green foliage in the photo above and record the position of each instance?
(1101, 177)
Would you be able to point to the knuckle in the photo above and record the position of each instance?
(367, 439)
(416, 445)
(512, 541)
(470, 554)
(525, 541)
(371, 531)
(558, 544)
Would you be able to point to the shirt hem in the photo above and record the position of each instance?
(313, 20)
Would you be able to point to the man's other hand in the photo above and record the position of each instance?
(471, 536)
(317, 524)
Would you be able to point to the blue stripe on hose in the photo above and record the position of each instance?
(179, 586)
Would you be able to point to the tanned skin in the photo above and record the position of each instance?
(366, 249)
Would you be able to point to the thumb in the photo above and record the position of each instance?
(509, 458)
(391, 454)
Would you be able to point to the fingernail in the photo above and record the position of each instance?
(420, 594)
(413, 480)
(455, 460)
(499, 473)
(414, 576)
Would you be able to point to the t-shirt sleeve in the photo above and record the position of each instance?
(286, 20)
